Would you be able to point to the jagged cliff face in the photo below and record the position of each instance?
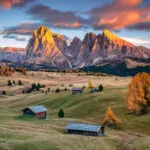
(47, 47)
(86, 47)
(52, 49)
(108, 47)
(42, 43)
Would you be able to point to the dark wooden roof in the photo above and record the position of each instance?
(37, 109)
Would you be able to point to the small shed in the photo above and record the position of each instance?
(77, 91)
(94, 90)
(39, 111)
(85, 129)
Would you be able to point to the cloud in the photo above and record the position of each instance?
(15, 37)
(22, 29)
(55, 18)
(68, 25)
(119, 14)
(141, 26)
(7, 4)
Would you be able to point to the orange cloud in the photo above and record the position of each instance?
(148, 18)
(68, 25)
(119, 14)
(6, 4)
(128, 3)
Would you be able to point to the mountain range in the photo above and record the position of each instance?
(52, 50)
(46, 47)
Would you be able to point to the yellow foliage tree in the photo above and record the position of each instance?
(110, 119)
(90, 85)
(139, 94)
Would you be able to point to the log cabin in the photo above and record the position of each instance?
(39, 111)
(84, 129)
(77, 91)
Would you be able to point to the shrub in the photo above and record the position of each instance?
(61, 113)
(100, 88)
(20, 82)
(4, 92)
(90, 85)
(9, 83)
(110, 119)
(14, 82)
(48, 89)
(57, 90)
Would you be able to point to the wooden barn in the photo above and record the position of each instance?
(77, 91)
(39, 111)
(94, 90)
(84, 129)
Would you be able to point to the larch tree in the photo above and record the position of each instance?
(90, 85)
(110, 119)
(139, 94)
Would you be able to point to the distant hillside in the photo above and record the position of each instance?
(118, 70)
(11, 54)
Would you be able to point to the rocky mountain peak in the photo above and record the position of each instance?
(44, 34)
(76, 40)
(115, 39)
(89, 39)
(52, 49)
(42, 43)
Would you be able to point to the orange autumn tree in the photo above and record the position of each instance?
(110, 119)
(139, 94)
(90, 85)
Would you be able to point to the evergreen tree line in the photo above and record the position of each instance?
(11, 83)
(36, 87)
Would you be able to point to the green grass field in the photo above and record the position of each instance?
(21, 133)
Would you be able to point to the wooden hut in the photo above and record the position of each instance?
(39, 111)
(84, 129)
(77, 91)
(94, 90)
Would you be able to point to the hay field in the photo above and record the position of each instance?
(21, 133)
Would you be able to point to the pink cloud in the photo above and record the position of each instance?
(119, 14)
(68, 25)
(6, 4)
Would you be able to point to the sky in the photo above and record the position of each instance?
(129, 19)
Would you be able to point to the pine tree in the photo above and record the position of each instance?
(9, 83)
(61, 113)
(20, 82)
(57, 90)
(4, 92)
(100, 88)
(139, 94)
(48, 89)
(90, 85)
(110, 119)
(38, 87)
(14, 82)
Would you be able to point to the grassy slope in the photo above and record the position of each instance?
(19, 133)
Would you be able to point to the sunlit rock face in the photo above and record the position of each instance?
(47, 47)
(42, 43)
(108, 47)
